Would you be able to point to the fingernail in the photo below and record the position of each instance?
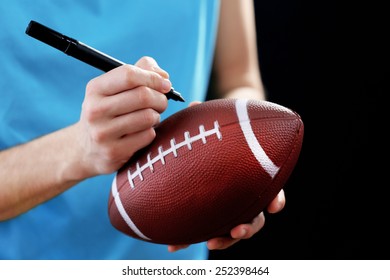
(166, 85)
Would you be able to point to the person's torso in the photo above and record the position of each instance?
(42, 90)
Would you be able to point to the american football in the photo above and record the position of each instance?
(210, 168)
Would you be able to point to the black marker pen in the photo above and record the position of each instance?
(81, 51)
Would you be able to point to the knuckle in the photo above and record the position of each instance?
(147, 60)
(144, 96)
(90, 88)
(92, 107)
(150, 117)
(148, 98)
(92, 112)
(163, 104)
(155, 80)
(87, 111)
(99, 136)
(149, 135)
(142, 91)
(130, 73)
(109, 153)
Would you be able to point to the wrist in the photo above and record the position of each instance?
(73, 165)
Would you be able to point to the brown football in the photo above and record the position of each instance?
(210, 168)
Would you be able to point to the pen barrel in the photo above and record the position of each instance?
(91, 56)
(81, 51)
(72, 47)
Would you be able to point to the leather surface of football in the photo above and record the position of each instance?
(210, 168)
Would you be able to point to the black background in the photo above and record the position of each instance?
(327, 61)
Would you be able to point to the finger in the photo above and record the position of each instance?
(137, 140)
(148, 63)
(126, 125)
(278, 203)
(243, 231)
(127, 77)
(193, 103)
(133, 100)
(221, 243)
(174, 248)
(246, 231)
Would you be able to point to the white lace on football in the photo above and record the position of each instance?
(188, 140)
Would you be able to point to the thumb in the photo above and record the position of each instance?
(193, 103)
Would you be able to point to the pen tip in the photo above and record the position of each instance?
(181, 99)
(174, 95)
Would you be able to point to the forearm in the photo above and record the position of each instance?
(236, 68)
(37, 171)
(249, 92)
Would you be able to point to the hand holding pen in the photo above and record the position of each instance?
(81, 51)
(118, 116)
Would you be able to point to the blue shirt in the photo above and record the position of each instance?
(42, 89)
